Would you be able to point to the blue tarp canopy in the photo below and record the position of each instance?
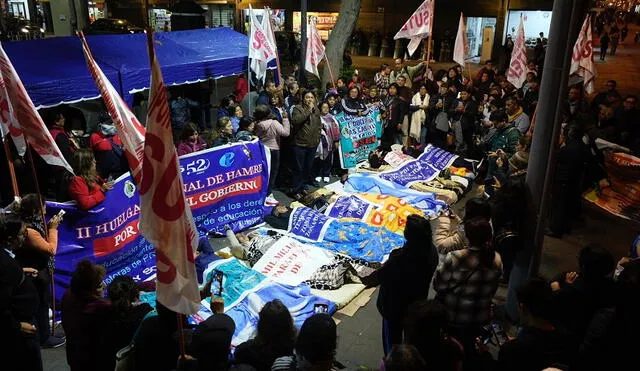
(54, 70)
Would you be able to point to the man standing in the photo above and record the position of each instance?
(409, 72)
(517, 117)
(604, 45)
(463, 118)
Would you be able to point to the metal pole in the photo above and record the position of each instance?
(303, 37)
(565, 24)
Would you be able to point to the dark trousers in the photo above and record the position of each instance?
(603, 52)
(391, 333)
(275, 167)
(302, 166)
(467, 335)
(614, 47)
(43, 285)
(23, 349)
(565, 207)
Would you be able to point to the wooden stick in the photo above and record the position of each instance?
(12, 171)
(428, 50)
(181, 336)
(333, 80)
(273, 34)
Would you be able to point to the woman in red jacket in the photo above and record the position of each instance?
(87, 188)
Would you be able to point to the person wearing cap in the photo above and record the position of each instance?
(516, 167)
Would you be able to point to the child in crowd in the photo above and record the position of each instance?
(190, 140)
(245, 132)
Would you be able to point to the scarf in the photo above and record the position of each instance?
(107, 130)
(515, 116)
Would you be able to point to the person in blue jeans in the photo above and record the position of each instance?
(306, 128)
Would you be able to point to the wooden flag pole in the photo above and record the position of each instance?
(12, 170)
(181, 336)
(333, 80)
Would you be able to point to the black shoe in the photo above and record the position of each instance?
(53, 342)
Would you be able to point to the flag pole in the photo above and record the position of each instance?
(249, 63)
(273, 34)
(333, 80)
(181, 336)
(430, 37)
(12, 170)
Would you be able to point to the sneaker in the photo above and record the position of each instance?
(327, 179)
(318, 179)
(271, 201)
(54, 342)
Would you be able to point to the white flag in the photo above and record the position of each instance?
(461, 47)
(20, 119)
(262, 47)
(130, 131)
(166, 219)
(418, 26)
(315, 49)
(582, 59)
(517, 72)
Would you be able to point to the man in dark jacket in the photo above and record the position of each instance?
(306, 128)
(502, 144)
(402, 280)
(463, 117)
(439, 106)
(394, 111)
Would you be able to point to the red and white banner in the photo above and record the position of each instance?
(130, 131)
(291, 262)
(517, 72)
(582, 59)
(461, 48)
(418, 26)
(166, 220)
(262, 47)
(21, 120)
(315, 49)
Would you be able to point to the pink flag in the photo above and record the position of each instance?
(262, 48)
(166, 219)
(582, 59)
(461, 48)
(130, 131)
(315, 49)
(418, 26)
(517, 72)
(21, 120)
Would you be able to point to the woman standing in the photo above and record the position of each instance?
(353, 105)
(276, 105)
(420, 105)
(270, 131)
(328, 144)
(307, 128)
(87, 188)
(466, 282)
(38, 251)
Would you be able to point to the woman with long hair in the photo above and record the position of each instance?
(223, 133)
(270, 131)
(352, 104)
(467, 280)
(190, 140)
(236, 115)
(127, 314)
(276, 338)
(87, 188)
(38, 251)
(276, 105)
(85, 314)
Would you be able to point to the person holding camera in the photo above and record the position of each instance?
(501, 145)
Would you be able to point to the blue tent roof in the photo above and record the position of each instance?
(184, 56)
(54, 70)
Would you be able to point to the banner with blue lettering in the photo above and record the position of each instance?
(358, 136)
(423, 169)
(224, 186)
(308, 224)
(350, 206)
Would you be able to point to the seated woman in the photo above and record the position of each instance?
(87, 188)
(84, 315)
(315, 347)
(190, 140)
(127, 315)
(237, 115)
(108, 150)
(276, 338)
(245, 131)
(223, 133)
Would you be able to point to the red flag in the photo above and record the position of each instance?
(130, 131)
(166, 219)
(20, 118)
(315, 49)
(582, 63)
(517, 72)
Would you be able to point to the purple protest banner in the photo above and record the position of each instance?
(309, 224)
(350, 207)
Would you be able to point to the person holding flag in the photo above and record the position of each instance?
(461, 48)
(517, 71)
(582, 63)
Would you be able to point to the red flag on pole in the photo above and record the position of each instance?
(418, 26)
(461, 47)
(315, 49)
(130, 131)
(517, 72)
(21, 120)
(582, 59)
(166, 219)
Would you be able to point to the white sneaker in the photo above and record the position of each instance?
(327, 179)
(271, 201)
(318, 179)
